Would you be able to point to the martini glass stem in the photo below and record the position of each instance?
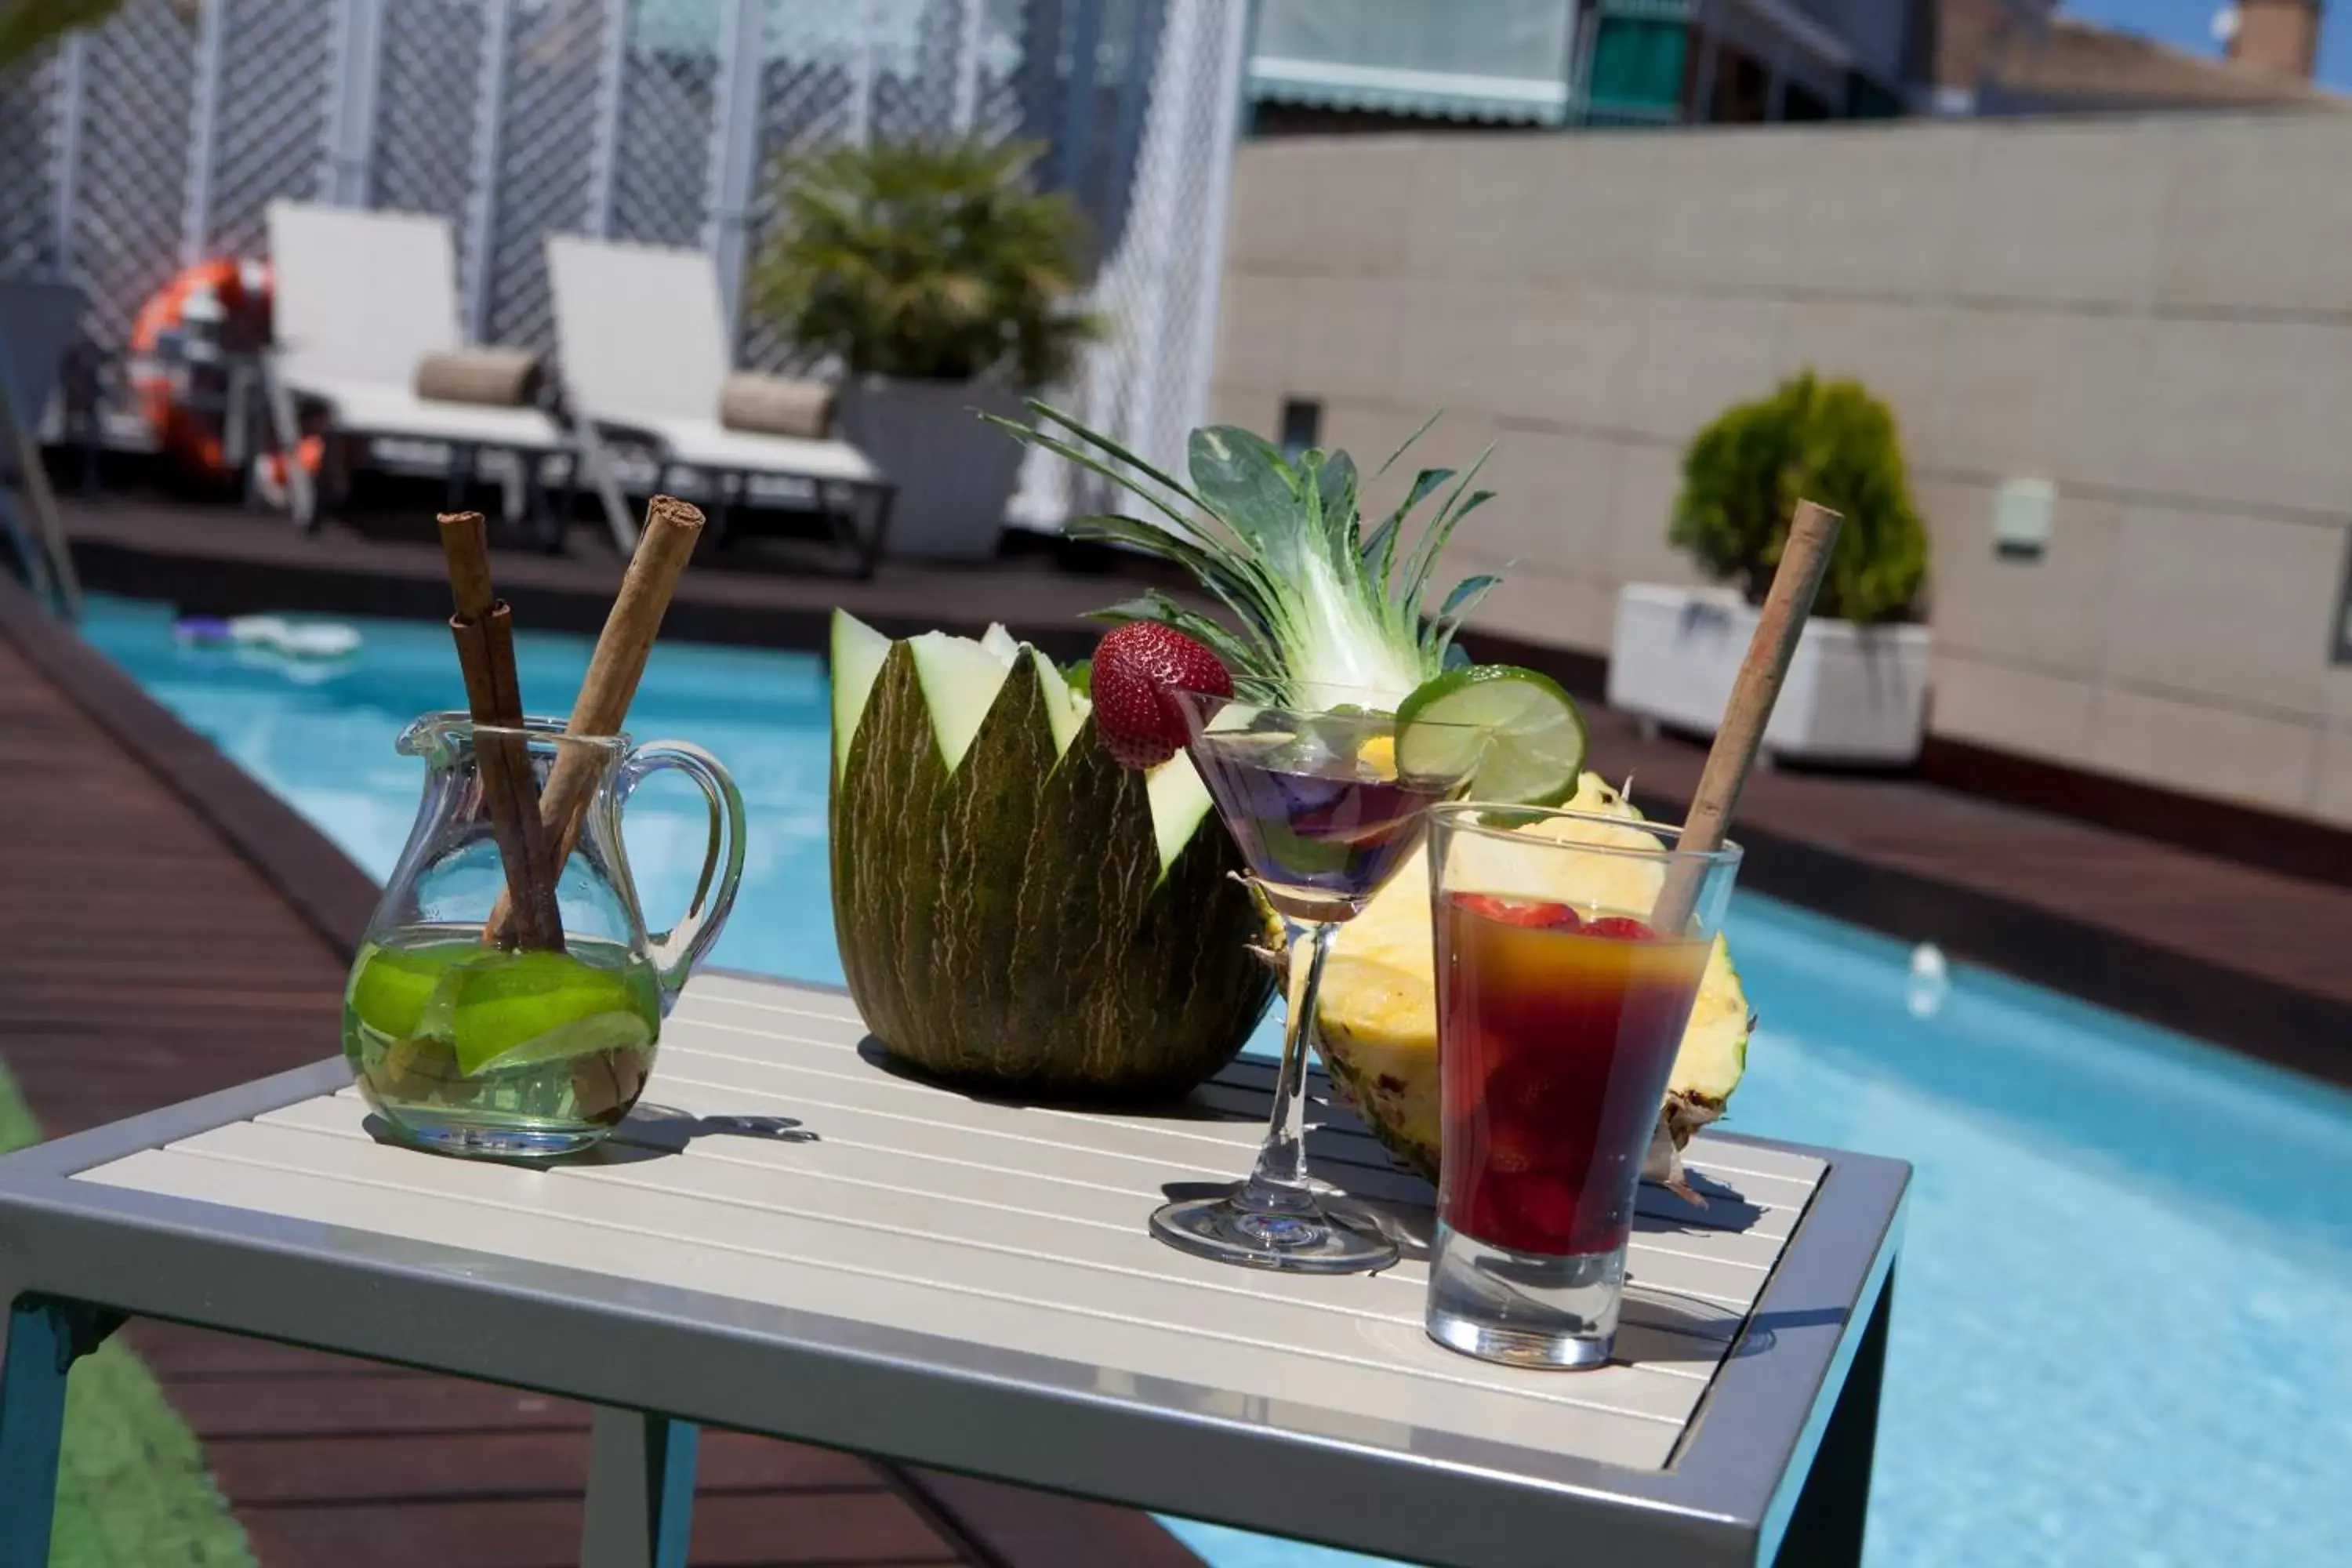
(1278, 1184)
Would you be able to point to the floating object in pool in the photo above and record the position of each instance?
(1931, 980)
(272, 632)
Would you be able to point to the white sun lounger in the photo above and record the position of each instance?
(643, 349)
(359, 298)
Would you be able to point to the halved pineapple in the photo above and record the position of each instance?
(1376, 1021)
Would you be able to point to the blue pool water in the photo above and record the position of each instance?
(2123, 1332)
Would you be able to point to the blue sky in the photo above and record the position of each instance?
(2189, 25)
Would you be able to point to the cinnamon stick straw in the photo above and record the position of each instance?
(1812, 535)
(672, 529)
(483, 629)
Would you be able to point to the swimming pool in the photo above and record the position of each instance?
(2123, 1332)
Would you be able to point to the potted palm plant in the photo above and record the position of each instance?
(27, 24)
(944, 284)
(1857, 689)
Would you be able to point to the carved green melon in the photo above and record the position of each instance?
(1016, 912)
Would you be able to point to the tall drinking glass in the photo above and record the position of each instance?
(1315, 801)
(1570, 949)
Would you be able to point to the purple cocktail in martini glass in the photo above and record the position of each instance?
(1315, 801)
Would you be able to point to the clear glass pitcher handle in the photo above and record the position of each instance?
(676, 951)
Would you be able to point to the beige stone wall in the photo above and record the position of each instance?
(2154, 315)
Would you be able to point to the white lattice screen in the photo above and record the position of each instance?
(129, 152)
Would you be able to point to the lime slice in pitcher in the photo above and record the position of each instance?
(391, 987)
(519, 1008)
(580, 1037)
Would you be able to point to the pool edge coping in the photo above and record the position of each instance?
(332, 893)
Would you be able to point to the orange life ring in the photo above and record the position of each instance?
(225, 300)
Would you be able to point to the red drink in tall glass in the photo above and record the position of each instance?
(1560, 1031)
(1561, 1007)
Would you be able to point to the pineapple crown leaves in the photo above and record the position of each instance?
(1281, 544)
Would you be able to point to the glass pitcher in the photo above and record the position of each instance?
(473, 1046)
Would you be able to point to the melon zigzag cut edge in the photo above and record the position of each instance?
(950, 673)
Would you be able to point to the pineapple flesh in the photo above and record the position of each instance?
(1376, 1020)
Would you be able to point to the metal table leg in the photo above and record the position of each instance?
(514, 488)
(546, 522)
(49, 566)
(44, 1338)
(727, 489)
(596, 457)
(640, 1492)
(885, 498)
(285, 426)
(30, 551)
(1825, 1531)
(463, 455)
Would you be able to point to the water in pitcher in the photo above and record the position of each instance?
(502, 1049)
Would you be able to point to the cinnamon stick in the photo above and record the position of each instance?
(671, 531)
(1804, 559)
(483, 629)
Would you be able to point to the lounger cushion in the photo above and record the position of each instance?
(707, 444)
(487, 377)
(369, 410)
(776, 405)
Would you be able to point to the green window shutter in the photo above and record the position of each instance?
(1638, 68)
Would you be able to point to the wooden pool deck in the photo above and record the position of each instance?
(167, 928)
(2217, 941)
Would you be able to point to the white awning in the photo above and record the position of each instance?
(1502, 60)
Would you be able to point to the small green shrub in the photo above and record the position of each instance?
(1825, 441)
(926, 260)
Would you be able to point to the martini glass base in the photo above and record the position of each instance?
(1219, 1229)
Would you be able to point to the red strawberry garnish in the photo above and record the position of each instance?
(1511, 1151)
(1528, 1099)
(1619, 928)
(1517, 911)
(1135, 669)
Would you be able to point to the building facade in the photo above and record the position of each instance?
(2144, 318)
(1321, 65)
(2009, 57)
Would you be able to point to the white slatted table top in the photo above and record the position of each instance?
(774, 1161)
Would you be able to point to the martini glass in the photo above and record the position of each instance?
(1313, 798)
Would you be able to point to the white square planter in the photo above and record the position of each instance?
(1854, 693)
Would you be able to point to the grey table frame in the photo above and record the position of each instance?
(1774, 1468)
